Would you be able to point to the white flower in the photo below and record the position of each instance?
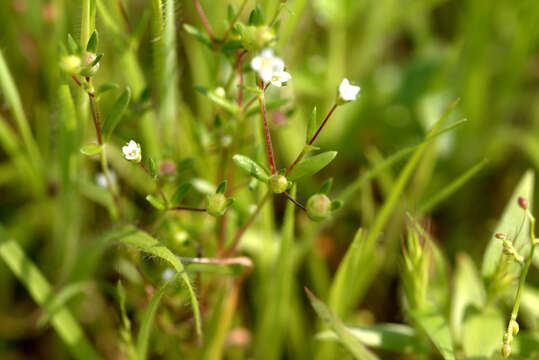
(348, 92)
(132, 151)
(279, 78)
(266, 64)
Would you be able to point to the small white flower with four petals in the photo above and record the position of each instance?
(132, 151)
(270, 67)
(348, 92)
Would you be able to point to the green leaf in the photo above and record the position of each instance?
(180, 194)
(115, 114)
(219, 100)
(512, 219)
(156, 202)
(468, 290)
(73, 46)
(152, 167)
(392, 337)
(257, 17)
(345, 337)
(59, 301)
(93, 43)
(143, 241)
(221, 189)
(312, 165)
(96, 60)
(326, 187)
(529, 307)
(91, 149)
(39, 288)
(106, 87)
(482, 333)
(435, 326)
(231, 12)
(148, 317)
(312, 126)
(198, 34)
(251, 167)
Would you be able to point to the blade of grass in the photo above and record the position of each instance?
(345, 337)
(143, 337)
(143, 241)
(62, 320)
(60, 299)
(450, 189)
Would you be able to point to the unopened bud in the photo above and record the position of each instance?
(500, 236)
(508, 251)
(216, 204)
(87, 68)
(70, 64)
(506, 350)
(278, 183)
(318, 207)
(522, 202)
(516, 328)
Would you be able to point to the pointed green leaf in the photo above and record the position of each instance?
(251, 167)
(435, 326)
(180, 194)
(326, 187)
(392, 337)
(73, 46)
(116, 113)
(96, 60)
(231, 12)
(91, 149)
(312, 126)
(156, 202)
(93, 43)
(312, 165)
(345, 337)
(219, 100)
(198, 34)
(152, 167)
(257, 17)
(132, 236)
(106, 87)
(221, 189)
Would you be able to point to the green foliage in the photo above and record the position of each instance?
(312, 165)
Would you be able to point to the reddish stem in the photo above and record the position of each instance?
(266, 129)
(205, 23)
(323, 123)
(294, 201)
(97, 121)
(254, 99)
(187, 208)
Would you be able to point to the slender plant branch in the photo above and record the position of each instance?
(303, 152)
(294, 201)
(124, 16)
(97, 120)
(156, 183)
(206, 24)
(253, 99)
(232, 248)
(266, 129)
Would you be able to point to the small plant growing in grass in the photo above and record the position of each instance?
(192, 195)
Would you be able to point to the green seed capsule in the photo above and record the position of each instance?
(216, 204)
(319, 207)
(278, 183)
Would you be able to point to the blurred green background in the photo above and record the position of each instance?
(412, 59)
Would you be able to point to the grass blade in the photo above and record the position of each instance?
(39, 288)
(451, 188)
(132, 236)
(437, 329)
(143, 337)
(392, 337)
(347, 339)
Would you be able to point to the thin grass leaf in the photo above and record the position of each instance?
(148, 317)
(437, 329)
(132, 236)
(392, 337)
(7, 85)
(199, 35)
(312, 165)
(450, 189)
(62, 320)
(509, 223)
(115, 114)
(345, 337)
(60, 300)
(218, 100)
